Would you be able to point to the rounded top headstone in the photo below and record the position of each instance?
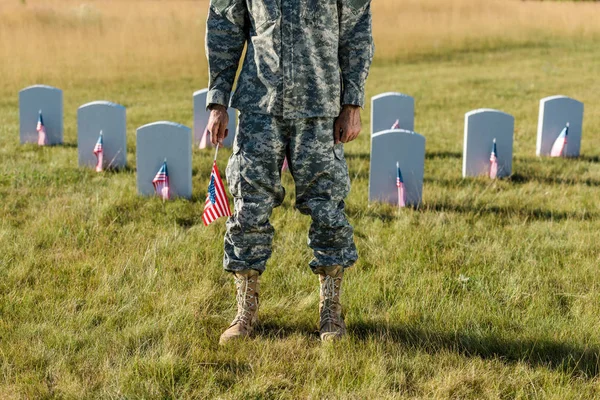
(164, 123)
(389, 94)
(201, 91)
(557, 97)
(487, 110)
(101, 103)
(397, 132)
(40, 87)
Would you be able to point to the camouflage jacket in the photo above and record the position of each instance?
(304, 58)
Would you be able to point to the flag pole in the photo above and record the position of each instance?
(216, 152)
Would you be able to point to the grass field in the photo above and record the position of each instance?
(489, 291)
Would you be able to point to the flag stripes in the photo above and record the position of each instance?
(400, 186)
(217, 203)
(161, 182)
(494, 161)
(99, 152)
(41, 129)
(560, 145)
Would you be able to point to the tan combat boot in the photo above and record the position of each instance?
(331, 325)
(246, 283)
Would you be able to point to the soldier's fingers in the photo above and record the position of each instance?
(226, 133)
(214, 137)
(221, 135)
(345, 135)
(337, 132)
(351, 135)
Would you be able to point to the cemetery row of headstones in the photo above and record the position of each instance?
(164, 149)
(398, 152)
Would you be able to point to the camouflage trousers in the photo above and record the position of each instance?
(254, 177)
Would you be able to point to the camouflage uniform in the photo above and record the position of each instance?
(304, 59)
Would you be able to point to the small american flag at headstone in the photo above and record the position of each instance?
(161, 182)
(400, 186)
(41, 129)
(560, 145)
(99, 152)
(286, 165)
(494, 161)
(217, 203)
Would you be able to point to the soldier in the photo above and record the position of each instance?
(299, 94)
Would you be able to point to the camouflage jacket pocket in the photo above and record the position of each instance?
(263, 11)
(322, 13)
(220, 6)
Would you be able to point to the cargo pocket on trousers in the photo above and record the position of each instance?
(341, 175)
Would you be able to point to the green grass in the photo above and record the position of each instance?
(490, 290)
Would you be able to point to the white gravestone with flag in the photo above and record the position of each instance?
(40, 103)
(482, 127)
(110, 119)
(201, 114)
(397, 155)
(392, 111)
(162, 142)
(555, 113)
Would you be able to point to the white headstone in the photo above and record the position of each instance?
(43, 98)
(387, 148)
(155, 143)
(555, 113)
(387, 108)
(111, 120)
(481, 128)
(201, 119)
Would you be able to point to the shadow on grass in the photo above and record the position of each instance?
(549, 180)
(282, 330)
(358, 156)
(535, 214)
(443, 154)
(590, 159)
(566, 357)
(389, 214)
(128, 169)
(428, 155)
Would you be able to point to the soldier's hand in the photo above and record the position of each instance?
(347, 125)
(217, 123)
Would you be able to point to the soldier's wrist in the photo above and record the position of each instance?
(217, 107)
(350, 107)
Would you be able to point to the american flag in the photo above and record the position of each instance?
(560, 145)
(494, 161)
(205, 140)
(217, 203)
(41, 129)
(396, 124)
(161, 182)
(285, 166)
(99, 152)
(401, 188)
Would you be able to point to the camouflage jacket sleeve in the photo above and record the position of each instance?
(226, 35)
(356, 48)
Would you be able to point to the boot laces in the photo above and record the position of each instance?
(245, 300)
(330, 292)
